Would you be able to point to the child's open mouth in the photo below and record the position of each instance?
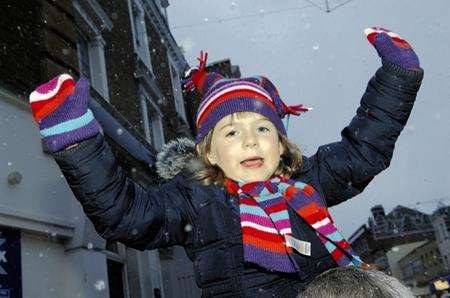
(254, 162)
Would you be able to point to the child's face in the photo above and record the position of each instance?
(235, 140)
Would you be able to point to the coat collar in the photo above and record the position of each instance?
(177, 155)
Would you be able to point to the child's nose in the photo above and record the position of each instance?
(251, 140)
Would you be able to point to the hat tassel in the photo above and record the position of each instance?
(295, 109)
(193, 74)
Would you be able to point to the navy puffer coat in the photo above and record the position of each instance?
(149, 218)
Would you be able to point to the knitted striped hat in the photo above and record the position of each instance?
(222, 97)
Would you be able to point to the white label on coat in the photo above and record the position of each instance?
(302, 247)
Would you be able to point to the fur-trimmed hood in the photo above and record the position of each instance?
(176, 155)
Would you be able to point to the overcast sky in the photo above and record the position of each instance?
(324, 61)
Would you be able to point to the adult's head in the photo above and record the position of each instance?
(352, 281)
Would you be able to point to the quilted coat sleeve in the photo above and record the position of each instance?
(343, 169)
(120, 209)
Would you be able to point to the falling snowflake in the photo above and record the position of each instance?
(410, 128)
(187, 44)
(316, 47)
(119, 131)
(188, 228)
(100, 285)
(89, 245)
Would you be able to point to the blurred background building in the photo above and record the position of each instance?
(408, 244)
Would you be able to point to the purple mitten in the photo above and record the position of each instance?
(391, 47)
(61, 111)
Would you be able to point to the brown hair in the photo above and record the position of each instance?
(290, 161)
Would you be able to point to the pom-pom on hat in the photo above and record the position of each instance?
(222, 97)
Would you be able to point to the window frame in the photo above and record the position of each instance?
(177, 92)
(141, 40)
(82, 45)
(151, 120)
(95, 43)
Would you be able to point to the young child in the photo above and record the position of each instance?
(254, 219)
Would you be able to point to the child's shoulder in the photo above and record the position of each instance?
(304, 173)
(178, 163)
(185, 191)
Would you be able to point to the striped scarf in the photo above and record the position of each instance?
(266, 229)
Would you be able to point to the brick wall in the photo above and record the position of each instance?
(39, 41)
(20, 49)
(120, 62)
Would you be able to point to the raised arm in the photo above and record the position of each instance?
(343, 169)
(120, 209)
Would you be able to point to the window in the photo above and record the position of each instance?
(139, 29)
(91, 55)
(444, 231)
(146, 120)
(83, 56)
(152, 121)
(177, 92)
(365, 246)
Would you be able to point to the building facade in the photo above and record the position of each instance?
(384, 231)
(408, 244)
(421, 266)
(441, 224)
(48, 247)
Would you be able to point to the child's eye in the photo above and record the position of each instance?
(231, 133)
(263, 129)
